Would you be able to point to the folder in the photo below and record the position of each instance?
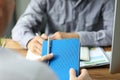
(66, 56)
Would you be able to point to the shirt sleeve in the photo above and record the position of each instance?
(28, 22)
(102, 37)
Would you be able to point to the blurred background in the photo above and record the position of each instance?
(19, 9)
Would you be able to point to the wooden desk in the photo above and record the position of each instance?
(9, 43)
(98, 73)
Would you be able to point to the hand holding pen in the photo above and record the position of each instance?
(35, 44)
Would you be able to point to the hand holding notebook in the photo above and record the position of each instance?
(66, 56)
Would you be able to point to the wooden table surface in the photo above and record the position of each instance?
(97, 73)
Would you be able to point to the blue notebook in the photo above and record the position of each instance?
(66, 56)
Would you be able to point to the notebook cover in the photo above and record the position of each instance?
(66, 56)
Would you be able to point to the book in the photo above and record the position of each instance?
(84, 54)
(66, 56)
(98, 57)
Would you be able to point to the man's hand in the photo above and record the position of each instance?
(39, 58)
(35, 45)
(62, 35)
(46, 57)
(83, 76)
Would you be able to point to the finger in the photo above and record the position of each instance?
(84, 74)
(44, 36)
(52, 36)
(72, 74)
(40, 40)
(35, 48)
(38, 46)
(84, 71)
(38, 52)
(57, 35)
(46, 57)
(34, 51)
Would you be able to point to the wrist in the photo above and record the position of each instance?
(27, 46)
(73, 35)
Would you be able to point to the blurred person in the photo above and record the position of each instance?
(15, 67)
(89, 20)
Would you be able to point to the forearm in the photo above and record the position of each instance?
(22, 35)
(100, 38)
(103, 36)
(28, 23)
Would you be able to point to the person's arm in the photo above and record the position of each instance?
(35, 44)
(84, 75)
(62, 35)
(29, 22)
(102, 37)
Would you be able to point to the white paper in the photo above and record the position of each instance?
(84, 53)
(32, 56)
(97, 58)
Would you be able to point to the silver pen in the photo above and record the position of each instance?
(37, 34)
(48, 46)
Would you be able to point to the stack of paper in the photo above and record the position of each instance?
(84, 53)
(97, 58)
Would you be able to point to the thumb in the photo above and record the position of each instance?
(72, 74)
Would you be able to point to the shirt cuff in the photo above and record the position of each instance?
(86, 39)
(27, 37)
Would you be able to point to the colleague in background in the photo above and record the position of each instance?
(15, 67)
(89, 20)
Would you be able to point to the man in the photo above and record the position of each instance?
(15, 67)
(89, 20)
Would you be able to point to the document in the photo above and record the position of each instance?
(98, 57)
(84, 53)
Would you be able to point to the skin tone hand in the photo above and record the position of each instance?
(83, 76)
(62, 35)
(45, 58)
(35, 45)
